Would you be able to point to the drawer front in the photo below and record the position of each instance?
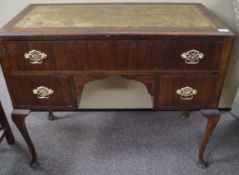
(188, 91)
(106, 55)
(41, 92)
(186, 55)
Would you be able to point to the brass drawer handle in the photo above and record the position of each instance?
(35, 57)
(186, 93)
(43, 92)
(192, 56)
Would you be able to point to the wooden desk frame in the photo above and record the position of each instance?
(167, 60)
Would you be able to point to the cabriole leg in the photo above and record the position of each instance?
(18, 117)
(185, 114)
(51, 116)
(213, 117)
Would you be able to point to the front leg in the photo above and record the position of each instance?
(18, 117)
(213, 117)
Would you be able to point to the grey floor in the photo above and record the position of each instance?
(120, 143)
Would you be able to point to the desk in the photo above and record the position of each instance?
(180, 52)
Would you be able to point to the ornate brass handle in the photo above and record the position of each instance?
(186, 93)
(43, 92)
(192, 56)
(35, 57)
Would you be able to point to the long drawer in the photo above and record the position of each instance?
(42, 91)
(188, 92)
(105, 55)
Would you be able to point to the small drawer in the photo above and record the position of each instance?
(188, 92)
(42, 91)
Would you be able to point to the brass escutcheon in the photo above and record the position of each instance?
(186, 93)
(35, 57)
(43, 92)
(192, 56)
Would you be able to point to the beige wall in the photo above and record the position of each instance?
(222, 8)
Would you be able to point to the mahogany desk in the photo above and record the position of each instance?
(180, 52)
